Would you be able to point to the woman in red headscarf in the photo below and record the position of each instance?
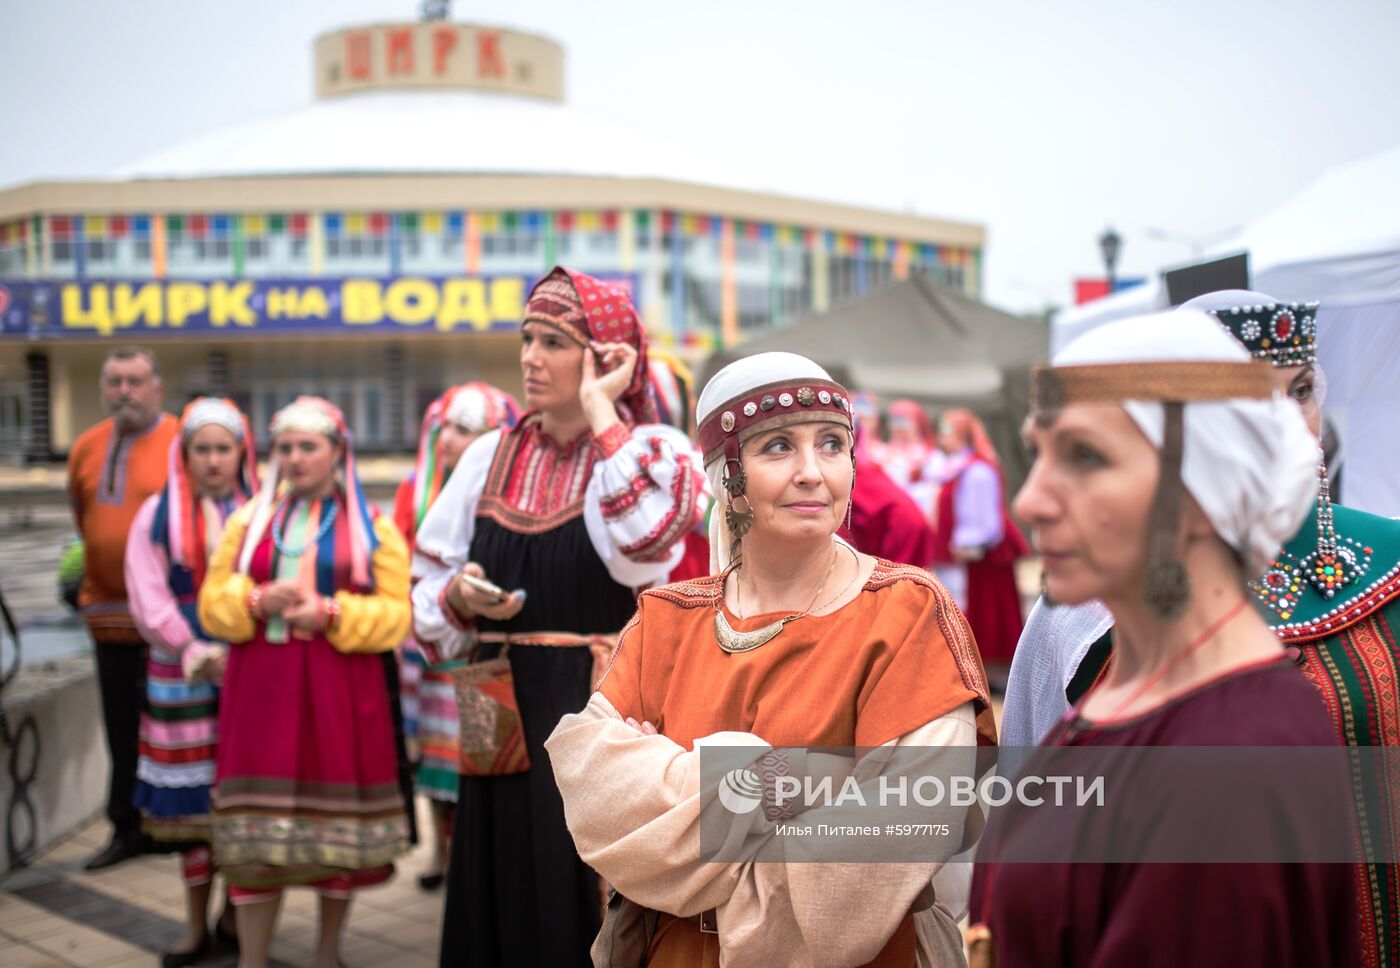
(450, 424)
(585, 502)
(210, 475)
(977, 543)
(911, 457)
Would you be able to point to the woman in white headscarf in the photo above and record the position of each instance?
(796, 641)
(451, 424)
(211, 474)
(1166, 471)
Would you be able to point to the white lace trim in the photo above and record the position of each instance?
(180, 776)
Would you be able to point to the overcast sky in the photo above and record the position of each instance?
(1041, 121)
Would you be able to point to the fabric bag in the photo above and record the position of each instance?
(626, 936)
(492, 741)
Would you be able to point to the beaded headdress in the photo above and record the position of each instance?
(1285, 334)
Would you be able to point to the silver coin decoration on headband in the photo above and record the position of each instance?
(785, 399)
(824, 396)
(726, 422)
(750, 409)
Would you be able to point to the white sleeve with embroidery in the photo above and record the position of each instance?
(641, 501)
(441, 548)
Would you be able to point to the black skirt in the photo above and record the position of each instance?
(517, 893)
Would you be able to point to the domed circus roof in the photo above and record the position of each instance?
(438, 132)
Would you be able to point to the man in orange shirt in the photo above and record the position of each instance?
(112, 468)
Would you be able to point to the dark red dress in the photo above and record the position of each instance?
(993, 602)
(1134, 914)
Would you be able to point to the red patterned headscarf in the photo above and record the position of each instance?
(588, 310)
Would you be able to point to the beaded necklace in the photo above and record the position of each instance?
(279, 530)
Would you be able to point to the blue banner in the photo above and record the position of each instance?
(230, 308)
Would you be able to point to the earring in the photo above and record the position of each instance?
(739, 522)
(851, 501)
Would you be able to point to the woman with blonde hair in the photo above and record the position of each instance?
(797, 640)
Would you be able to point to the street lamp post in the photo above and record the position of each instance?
(1110, 243)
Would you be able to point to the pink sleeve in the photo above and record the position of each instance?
(153, 607)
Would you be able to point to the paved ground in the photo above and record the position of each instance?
(56, 914)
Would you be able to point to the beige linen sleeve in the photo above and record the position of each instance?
(633, 804)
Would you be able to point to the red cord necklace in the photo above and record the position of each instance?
(1194, 647)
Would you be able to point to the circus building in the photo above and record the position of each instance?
(376, 245)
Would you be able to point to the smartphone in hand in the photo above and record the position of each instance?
(485, 587)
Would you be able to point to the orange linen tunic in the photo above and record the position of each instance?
(110, 475)
(896, 657)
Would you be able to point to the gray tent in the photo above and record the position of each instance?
(923, 341)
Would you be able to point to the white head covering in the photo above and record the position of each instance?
(734, 381)
(1250, 464)
(470, 408)
(211, 410)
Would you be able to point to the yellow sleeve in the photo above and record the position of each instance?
(381, 620)
(223, 598)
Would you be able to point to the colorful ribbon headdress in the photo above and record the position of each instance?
(477, 406)
(186, 548)
(318, 416)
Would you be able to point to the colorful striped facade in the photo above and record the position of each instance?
(705, 278)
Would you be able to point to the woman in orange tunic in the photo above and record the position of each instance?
(799, 640)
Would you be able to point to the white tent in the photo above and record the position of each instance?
(1337, 242)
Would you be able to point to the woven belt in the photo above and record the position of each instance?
(601, 645)
(563, 640)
